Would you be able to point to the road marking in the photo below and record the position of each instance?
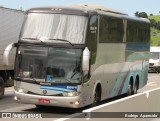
(152, 84)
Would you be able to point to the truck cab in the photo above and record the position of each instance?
(10, 25)
(154, 61)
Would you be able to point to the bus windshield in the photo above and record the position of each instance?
(55, 26)
(154, 55)
(59, 65)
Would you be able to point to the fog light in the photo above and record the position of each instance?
(77, 103)
(20, 90)
(16, 98)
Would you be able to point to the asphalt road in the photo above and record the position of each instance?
(7, 104)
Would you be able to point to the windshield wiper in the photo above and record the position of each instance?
(35, 39)
(67, 81)
(28, 79)
(30, 38)
(63, 41)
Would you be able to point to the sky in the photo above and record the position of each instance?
(128, 6)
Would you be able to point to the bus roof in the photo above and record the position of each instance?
(99, 8)
(82, 9)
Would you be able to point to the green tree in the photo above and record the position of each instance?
(158, 25)
(136, 13)
(151, 14)
(143, 15)
(153, 23)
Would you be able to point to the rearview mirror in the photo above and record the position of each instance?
(85, 59)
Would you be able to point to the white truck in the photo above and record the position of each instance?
(154, 61)
(10, 24)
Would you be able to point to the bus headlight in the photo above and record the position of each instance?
(20, 90)
(71, 94)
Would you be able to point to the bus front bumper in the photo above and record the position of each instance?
(69, 102)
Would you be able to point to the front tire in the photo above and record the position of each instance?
(97, 98)
(2, 88)
(40, 106)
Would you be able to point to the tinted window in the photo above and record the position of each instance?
(137, 31)
(91, 39)
(110, 29)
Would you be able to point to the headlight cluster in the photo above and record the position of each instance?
(71, 94)
(20, 90)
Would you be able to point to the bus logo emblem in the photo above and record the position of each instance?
(44, 91)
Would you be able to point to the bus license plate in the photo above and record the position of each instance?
(46, 101)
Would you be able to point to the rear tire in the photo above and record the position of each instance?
(135, 87)
(2, 88)
(130, 89)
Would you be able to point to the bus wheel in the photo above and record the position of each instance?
(130, 89)
(135, 87)
(40, 106)
(1, 88)
(97, 98)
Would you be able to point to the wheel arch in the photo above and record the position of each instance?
(98, 86)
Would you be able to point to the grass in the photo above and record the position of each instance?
(155, 34)
(157, 17)
(155, 37)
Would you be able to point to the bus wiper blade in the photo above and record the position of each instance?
(30, 38)
(63, 40)
(68, 81)
(35, 39)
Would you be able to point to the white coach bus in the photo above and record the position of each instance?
(80, 55)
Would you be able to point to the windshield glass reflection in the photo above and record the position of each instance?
(154, 55)
(54, 27)
(60, 65)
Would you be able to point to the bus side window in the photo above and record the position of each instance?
(91, 42)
